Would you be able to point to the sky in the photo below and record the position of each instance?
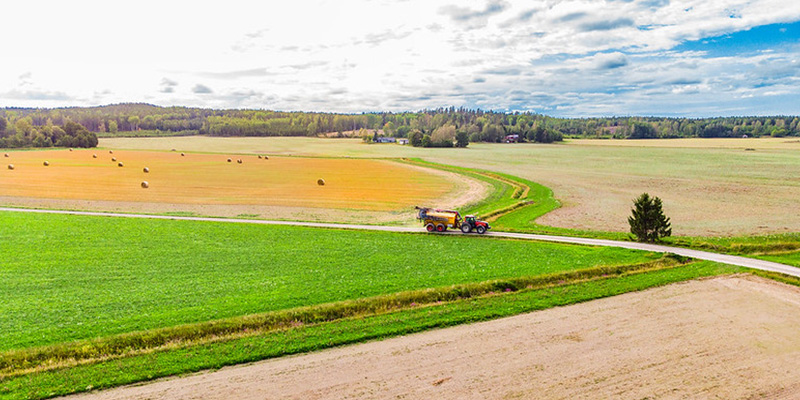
(564, 58)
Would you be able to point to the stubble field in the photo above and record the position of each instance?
(277, 187)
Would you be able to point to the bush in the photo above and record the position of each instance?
(415, 138)
(462, 139)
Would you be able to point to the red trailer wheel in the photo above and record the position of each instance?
(440, 228)
(430, 227)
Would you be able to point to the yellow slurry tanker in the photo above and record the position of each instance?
(437, 220)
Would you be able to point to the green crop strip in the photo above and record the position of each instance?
(20, 361)
(344, 331)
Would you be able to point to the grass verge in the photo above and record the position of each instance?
(348, 330)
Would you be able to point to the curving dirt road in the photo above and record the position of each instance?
(698, 254)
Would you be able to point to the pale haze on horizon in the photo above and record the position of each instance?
(569, 58)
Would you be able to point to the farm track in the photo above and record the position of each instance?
(697, 254)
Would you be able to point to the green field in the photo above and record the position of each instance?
(77, 277)
(710, 187)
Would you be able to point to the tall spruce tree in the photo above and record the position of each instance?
(648, 221)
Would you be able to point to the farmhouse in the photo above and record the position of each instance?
(402, 141)
(384, 139)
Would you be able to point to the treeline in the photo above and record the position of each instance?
(24, 134)
(476, 125)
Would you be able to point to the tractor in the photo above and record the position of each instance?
(436, 220)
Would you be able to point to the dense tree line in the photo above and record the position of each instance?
(439, 127)
(22, 133)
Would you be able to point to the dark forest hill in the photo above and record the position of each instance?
(441, 125)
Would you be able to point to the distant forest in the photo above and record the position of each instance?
(439, 127)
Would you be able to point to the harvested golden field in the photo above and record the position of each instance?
(210, 179)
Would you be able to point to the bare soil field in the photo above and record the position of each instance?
(207, 184)
(710, 187)
(729, 337)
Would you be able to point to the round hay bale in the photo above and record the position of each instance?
(111, 152)
(266, 158)
(321, 182)
(5, 155)
(239, 161)
(70, 149)
(46, 163)
(229, 160)
(94, 155)
(145, 185)
(259, 156)
(113, 159)
(183, 154)
(119, 164)
(173, 150)
(10, 166)
(146, 170)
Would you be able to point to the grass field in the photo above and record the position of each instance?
(206, 179)
(74, 277)
(710, 187)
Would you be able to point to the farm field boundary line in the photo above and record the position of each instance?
(753, 263)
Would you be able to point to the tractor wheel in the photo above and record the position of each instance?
(466, 228)
(481, 229)
(430, 228)
(440, 228)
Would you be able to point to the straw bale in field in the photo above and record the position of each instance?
(145, 185)
(46, 163)
(239, 161)
(321, 182)
(229, 160)
(120, 164)
(146, 170)
(10, 166)
(113, 159)
(94, 155)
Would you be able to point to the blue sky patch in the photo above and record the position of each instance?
(757, 39)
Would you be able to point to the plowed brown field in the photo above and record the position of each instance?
(209, 179)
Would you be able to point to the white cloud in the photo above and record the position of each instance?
(373, 55)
